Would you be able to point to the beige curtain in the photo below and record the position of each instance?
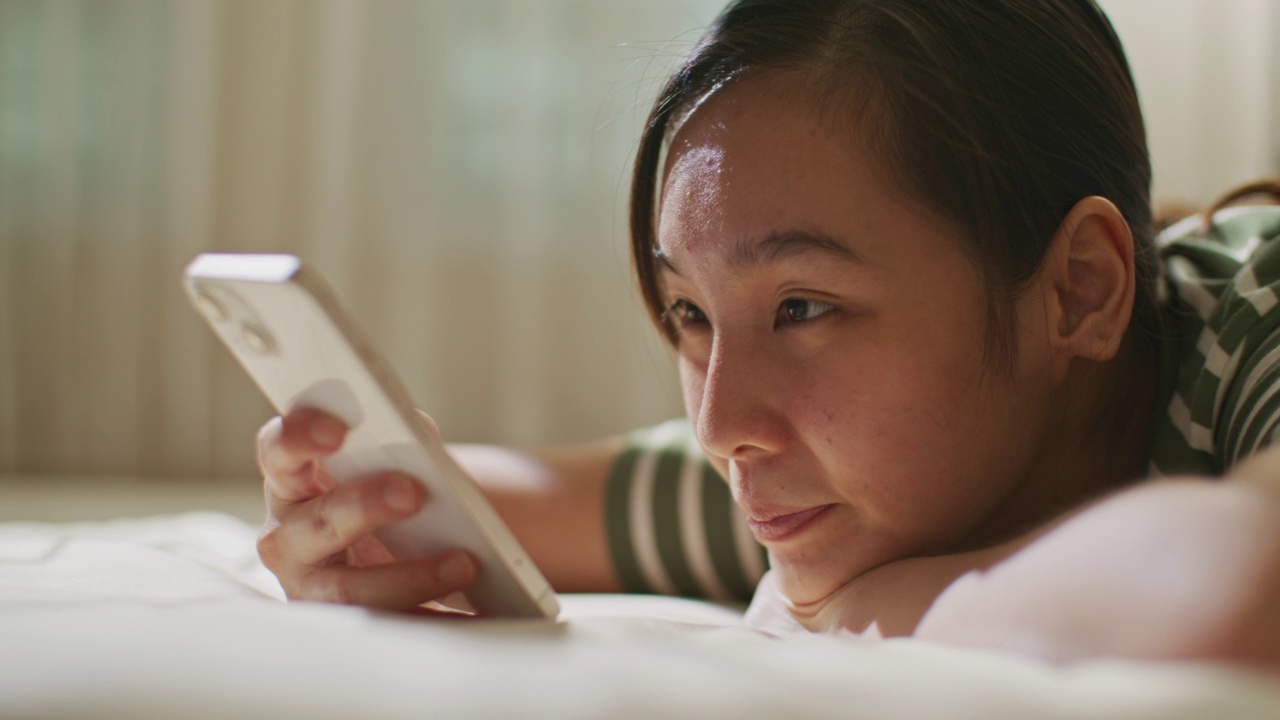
(455, 167)
(1208, 73)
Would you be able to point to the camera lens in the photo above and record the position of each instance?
(257, 339)
(210, 306)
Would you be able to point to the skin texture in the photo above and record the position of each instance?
(831, 350)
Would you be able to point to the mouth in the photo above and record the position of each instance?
(774, 525)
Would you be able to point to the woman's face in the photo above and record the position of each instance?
(831, 345)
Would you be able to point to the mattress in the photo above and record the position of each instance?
(174, 616)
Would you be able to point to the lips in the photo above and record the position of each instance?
(779, 524)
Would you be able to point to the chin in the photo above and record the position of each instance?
(811, 574)
(807, 580)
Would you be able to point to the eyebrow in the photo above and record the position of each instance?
(776, 246)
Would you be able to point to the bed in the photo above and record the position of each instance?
(171, 615)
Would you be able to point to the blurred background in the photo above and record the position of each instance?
(457, 168)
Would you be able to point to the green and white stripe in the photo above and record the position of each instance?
(1222, 351)
(673, 526)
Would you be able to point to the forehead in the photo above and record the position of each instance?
(758, 160)
(754, 129)
(788, 103)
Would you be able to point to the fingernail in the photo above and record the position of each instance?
(457, 571)
(402, 496)
(326, 432)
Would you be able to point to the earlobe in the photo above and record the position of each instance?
(1091, 262)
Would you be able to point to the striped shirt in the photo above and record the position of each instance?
(1222, 343)
(673, 527)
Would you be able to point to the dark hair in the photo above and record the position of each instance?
(997, 115)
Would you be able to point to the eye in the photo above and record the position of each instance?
(797, 310)
(683, 314)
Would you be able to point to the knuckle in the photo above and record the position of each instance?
(268, 546)
(322, 526)
(325, 520)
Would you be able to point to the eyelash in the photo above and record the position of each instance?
(823, 309)
(682, 314)
(678, 312)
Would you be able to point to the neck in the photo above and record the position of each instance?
(1099, 443)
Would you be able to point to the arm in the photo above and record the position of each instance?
(553, 501)
(1171, 570)
(1167, 570)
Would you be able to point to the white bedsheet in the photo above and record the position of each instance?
(174, 617)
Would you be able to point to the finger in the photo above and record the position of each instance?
(288, 449)
(313, 531)
(398, 586)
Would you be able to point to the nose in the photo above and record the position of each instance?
(739, 413)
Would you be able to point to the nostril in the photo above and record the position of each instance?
(743, 431)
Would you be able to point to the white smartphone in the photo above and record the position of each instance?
(288, 330)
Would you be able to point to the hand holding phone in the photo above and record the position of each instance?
(319, 537)
(302, 349)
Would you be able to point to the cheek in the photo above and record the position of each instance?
(836, 411)
(937, 369)
(896, 417)
(896, 386)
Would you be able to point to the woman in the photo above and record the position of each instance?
(903, 250)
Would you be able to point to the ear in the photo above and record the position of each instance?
(1089, 275)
